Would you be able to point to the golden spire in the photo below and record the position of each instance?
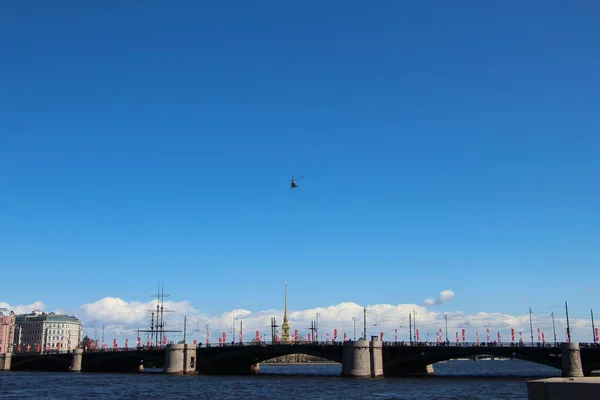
(285, 300)
(285, 326)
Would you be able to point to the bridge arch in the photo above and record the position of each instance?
(121, 361)
(42, 362)
(401, 361)
(241, 359)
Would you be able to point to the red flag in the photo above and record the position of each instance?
(220, 342)
(512, 334)
(139, 342)
(241, 338)
(309, 336)
(164, 340)
(334, 335)
(396, 334)
(418, 336)
(115, 344)
(499, 341)
(381, 336)
(257, 336)
(296, 335)
(543, 338)
(457, 338)
(276, 335)
(464, 333)
(597, 336)
(487, 335)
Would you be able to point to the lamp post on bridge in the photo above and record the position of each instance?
(233, 329)
(531, 326)
(593, 326)
(415, 324)
(568, 325)
(553, 328)
(446, 319)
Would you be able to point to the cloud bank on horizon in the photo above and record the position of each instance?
(122, 319)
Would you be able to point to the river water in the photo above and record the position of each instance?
(468, 380)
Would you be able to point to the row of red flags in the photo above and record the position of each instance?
(541, 337)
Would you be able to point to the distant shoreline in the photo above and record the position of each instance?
(299, 363)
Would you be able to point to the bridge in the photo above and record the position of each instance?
(117, 360)
(397, 359)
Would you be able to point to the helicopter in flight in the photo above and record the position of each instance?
(294, 185)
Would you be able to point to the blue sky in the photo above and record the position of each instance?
(448, 145)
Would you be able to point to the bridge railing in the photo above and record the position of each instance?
(485, 344)
(270, 343)
(320, 343)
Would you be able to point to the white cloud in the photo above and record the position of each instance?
(23, 308)
(445, 296)
(121, 319)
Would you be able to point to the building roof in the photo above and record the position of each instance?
(43, 316)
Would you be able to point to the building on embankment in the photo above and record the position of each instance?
(7, 329)
(50, 331)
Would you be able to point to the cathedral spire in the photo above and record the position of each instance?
(285, 326)
(285, 299)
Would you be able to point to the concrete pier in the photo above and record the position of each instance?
(571, 360)
(429, 371)
(376, 358)
(5, 360)
(180, 359)
(586, 388)
(573, 385)
(77, 360)
(362, 359)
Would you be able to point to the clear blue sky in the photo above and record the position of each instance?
(448, 145)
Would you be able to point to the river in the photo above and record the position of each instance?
(468, 380)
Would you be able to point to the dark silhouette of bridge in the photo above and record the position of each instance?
(240, 358)
(399, 359)
(119, 360)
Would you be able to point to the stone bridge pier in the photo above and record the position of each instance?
(5, 361)
(362, 359)
(571, 360)
(77, 360)
(180, 359)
